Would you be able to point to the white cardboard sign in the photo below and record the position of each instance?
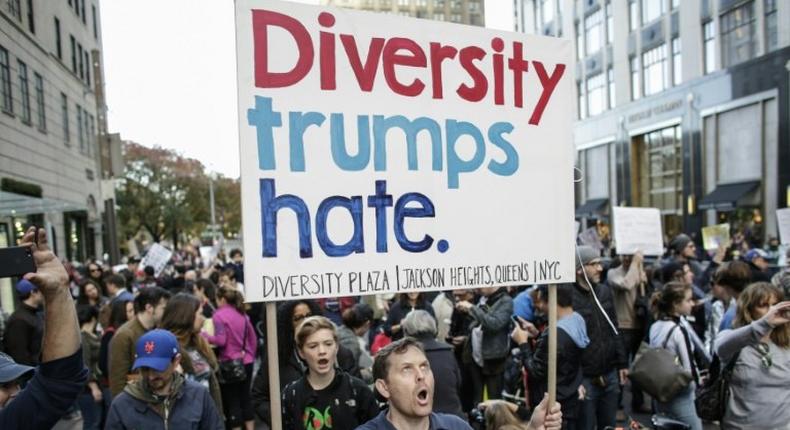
(157, 257)
(783, 219)
(638, 229)
(384, 154)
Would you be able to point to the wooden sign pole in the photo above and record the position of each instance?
(552, 344)
(274, 366)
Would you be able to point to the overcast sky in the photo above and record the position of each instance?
(170, 72)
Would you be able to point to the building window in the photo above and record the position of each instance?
(92, 131)
(64, 112)
(82, 63)
(582, 101)
(82, 9)
(80, 136)
(677, 62)
(633, 16)
(592, 32)
(31, 22)
(709, 45)
(633, 63)
(546, 11)
(654, 66)
(609, 23)
(652, 10)
(771, 29)
(73, 54)
(579, 43)
(95, 25)
(24, 92)
(40, 105)
(738, 41)
(596, 95)
(87, 131)
(610, 87)
(674, 4)
(58, 47)
(15, 9)
(5, 81)
(87, 68)
(658, 174)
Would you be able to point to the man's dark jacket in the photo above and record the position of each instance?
(569, 374)
(605, 351)
(23, 335)
(48, 396)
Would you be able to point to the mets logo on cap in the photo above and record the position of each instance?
(156, 350)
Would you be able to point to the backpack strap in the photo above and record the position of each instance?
(666, 340)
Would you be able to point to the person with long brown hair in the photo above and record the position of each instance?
(499, 414)
(671, 305)
(184, 318)
(235, 339)
(760, 345)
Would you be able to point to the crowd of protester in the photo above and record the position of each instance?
(183, 346)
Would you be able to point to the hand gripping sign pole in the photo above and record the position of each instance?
(274, 366)
(552, 344)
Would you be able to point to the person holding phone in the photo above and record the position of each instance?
(62, 375)
(760, 345)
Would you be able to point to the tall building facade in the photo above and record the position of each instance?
(52, 122)
(459, 11)
(681, 105)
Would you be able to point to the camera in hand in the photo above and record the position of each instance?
(16, 261)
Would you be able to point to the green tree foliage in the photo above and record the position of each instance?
(167, 195)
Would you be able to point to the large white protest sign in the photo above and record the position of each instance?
(783, 219)
(157, 257)
(638, 229)
(386, 154)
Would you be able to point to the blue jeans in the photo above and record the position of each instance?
(682, 408)
(599, 408)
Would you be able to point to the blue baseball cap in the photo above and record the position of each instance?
(24, 286)
(155, 350)
(10, 370)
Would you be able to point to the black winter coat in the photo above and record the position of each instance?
(606, 351)
(569, 370)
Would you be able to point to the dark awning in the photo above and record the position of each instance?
(725, 197)
(591, 207)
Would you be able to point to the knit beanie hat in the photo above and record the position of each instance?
(586, 255)
(679, 243)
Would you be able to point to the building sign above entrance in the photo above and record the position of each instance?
(655, 111)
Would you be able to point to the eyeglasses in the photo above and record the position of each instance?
(765, 355)
(298, 318)
(95, 270)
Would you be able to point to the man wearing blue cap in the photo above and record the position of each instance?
(25, 327)
(162, 398)
(61, 376)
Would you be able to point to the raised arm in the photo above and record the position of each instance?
(61, 330)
